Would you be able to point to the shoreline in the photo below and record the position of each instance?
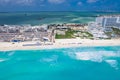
(60, 43)
(58, 48)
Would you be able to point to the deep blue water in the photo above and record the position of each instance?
(38, 18)
(82, 63)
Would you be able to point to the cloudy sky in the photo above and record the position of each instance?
(59, 5)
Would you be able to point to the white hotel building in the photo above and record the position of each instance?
(108, 21)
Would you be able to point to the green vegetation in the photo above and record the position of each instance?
(109, 34)
(88, 34)
(83, 35)
(68, 34)
(71, 34)
(116, 31)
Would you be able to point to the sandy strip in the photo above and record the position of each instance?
(60, 43)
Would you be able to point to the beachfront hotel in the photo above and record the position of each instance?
(103, 26)
(96, 30)
(109, 21)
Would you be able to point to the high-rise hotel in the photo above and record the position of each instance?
(108, 21)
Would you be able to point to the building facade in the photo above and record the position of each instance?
(18, 33)
(108, 21)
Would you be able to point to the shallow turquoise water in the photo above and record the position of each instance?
(36, 18)
(83, 63)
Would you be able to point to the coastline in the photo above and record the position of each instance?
(60, 43)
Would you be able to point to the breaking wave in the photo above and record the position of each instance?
(112, 63)
(98, 56)
(11, 53)
(2, 60)
(49, 59)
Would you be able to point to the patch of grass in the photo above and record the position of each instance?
(108, 33)
(68, 34)
(88, 34)
(116, 31)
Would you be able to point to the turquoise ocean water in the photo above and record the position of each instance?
(82, 63)
(38, 18)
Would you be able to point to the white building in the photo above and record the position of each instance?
(108, 21)
(96, 30)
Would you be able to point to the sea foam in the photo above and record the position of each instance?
(99, 56)
(11, 53)
(112, 63)
(96, 56)
(2, 60)
(49, 59)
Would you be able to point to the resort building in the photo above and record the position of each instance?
(108, 21)
(23, 33)
(96, 30)
(65, 27)
(103, 25)
(77, 27)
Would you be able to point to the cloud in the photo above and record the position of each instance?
(28, 2)
(56, 1)
(4, 1)
(79, 3)
(16, 2)
(25, 2)
(91, 1)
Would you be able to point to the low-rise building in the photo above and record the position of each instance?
(96, 30)
(31, 33)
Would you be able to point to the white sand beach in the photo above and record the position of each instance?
(59, 43)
